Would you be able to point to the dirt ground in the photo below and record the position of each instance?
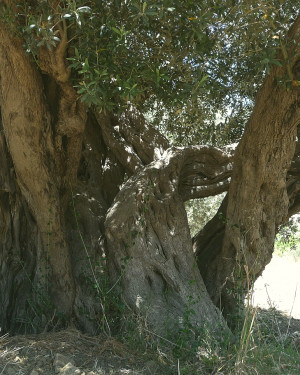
(70, 352)
(279, 286)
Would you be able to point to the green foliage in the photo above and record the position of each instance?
(288, 239)
(273, 347)
(266, 345)
(186, 62)
(200, 211)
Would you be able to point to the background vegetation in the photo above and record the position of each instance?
(194, 68)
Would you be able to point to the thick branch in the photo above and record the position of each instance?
(147, 225)
(71, 116)
(258, 200)
(208, 241)
(206, 172)
(144, 138)
(134, 142)
(27, 129)
(118, 146)
(53, 61)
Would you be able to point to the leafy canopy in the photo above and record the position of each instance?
(194, 66)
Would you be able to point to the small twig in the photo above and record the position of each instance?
(163, 338)
(273, 307)
(119, 278)
(2, 372)
(290, 317)
(49, 321)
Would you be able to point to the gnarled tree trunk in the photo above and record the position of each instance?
(149, 242)
(63, 205)
(264, 191)
(48, 149)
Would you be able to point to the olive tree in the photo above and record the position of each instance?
(115, 113)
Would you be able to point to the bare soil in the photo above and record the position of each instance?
(279, 286)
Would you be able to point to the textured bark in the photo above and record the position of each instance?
(258, 198)
(149, 244)
(208, 242)
(46, 269)
(26, 299)
(293, 180)
(134, 142)
(26, 124)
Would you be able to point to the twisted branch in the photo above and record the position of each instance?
(134, 142)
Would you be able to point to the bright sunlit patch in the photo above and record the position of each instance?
(139, 301)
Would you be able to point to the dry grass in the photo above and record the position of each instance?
(270, 345)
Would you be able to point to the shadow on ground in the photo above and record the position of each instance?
(70, 352)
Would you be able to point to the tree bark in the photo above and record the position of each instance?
(207, 243)
(65, 207)
(149, 245)
(47, 151)
(261, 194)
(26, 125)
